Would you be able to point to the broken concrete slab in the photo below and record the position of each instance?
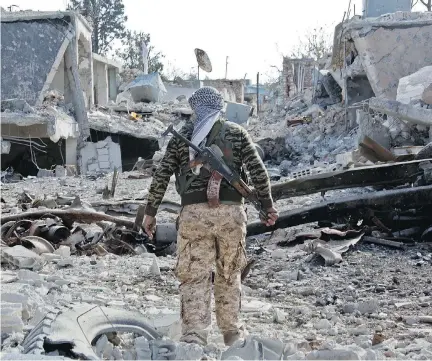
(406, 112)
(387, 50)
(147, 88)
(53, 124)
(238, 113)
(373, 128)
(412, 86)
(21, 257)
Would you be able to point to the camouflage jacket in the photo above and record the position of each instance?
(177, 157)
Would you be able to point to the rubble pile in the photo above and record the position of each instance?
(343, 274)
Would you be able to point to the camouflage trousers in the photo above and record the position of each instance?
(210, 238)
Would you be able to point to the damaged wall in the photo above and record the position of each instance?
(105, 72)
(391, 47)
(102, 156)
(28, 52)
(297, 75)
(106, 151)
(226, 86)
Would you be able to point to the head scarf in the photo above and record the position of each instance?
(207, 104)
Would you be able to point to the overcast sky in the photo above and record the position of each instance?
(252, 33)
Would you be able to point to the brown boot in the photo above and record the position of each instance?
(232, 336)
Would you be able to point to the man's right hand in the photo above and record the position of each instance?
(149, 226)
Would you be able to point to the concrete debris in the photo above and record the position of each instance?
(421, 116)
(21, 257)
(344, 273)
(412, 87)
(147, 88)
(427, 95)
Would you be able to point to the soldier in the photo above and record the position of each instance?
(212, 223)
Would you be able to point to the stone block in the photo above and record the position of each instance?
(11, 317)
(238, 113)
(63, 251)
(60, 171)
(21, 257)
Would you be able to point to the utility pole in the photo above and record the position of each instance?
(257, 93)
(226, 67)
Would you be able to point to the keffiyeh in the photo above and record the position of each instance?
(207, 104)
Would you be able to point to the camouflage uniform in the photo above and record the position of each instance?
(209, 236)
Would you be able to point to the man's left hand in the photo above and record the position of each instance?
(272, 216)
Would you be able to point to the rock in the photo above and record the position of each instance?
(278, 254)
(411, 320)
(21, 257)
(153, 298)
(27, 275)
(256, 306)
(50, 257)
(65, 262)
(188, 351)
(361, 330)
(101, 344)
(369, 306)
(154, 268)
(336, 354)
(117, 354)
(63, 251)
(349, 307)
(427, 95)
(142, 348)
(288, 275)
(279, 316)
(299, 355)
(11, 317)
(323, 324)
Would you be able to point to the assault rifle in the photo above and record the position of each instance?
(213, 162)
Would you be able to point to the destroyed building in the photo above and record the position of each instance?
(343, 274)
(54, 56)
(52, 95)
